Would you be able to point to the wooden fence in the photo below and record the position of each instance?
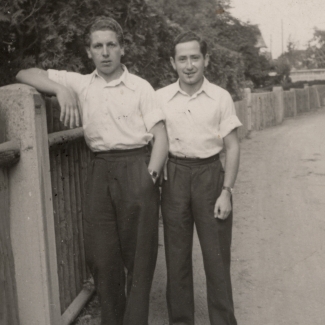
(43, 168)
(321, 94)
(290, 105)
(43, 267)
(8, 293)
(241, 111)
(261, 110)
(69, 158)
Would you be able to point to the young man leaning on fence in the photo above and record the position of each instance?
(120, 116)
(200, 120)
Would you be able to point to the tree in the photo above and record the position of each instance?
(283, 71)
(227, 36)
(316, 49)
(295, 58)
(48, 33)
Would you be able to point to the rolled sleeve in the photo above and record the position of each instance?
(152, 118)
(58, 76)
(72, 80)
(150, 107)
(229, 120)
(229, 124)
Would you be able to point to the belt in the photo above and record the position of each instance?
(123, 152)
(192, 161)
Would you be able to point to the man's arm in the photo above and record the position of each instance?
(223, 204)
(67, 98)
(160, 147)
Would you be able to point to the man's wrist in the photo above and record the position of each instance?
(154, 175)
(227, 189)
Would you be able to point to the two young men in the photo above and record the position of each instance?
(120, 115)
(200, 119)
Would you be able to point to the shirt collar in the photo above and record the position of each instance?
(175, 88)
(124, 78)
(209, 89)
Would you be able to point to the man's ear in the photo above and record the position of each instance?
(172, 61)
(206, 60)
(122, 51)
(88, 53)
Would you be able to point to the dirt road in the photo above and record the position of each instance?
(278, 260)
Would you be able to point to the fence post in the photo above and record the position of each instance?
(294, 102)
(306, 87)
(318, 104)
(31, 210)
(248, 96)
(278, 92)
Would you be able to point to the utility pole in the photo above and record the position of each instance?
(282, 34)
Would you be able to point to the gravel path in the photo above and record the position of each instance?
(278, 260)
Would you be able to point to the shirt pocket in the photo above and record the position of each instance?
(122, 103)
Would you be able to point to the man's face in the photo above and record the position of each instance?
(106, 52)
(189, 63)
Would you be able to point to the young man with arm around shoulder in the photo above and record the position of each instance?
(120, 116)
(200, 120)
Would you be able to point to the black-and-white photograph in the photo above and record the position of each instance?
(162, 162)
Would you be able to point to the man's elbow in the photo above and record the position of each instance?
(20, 76)
(234, 147)
(24, 75)
(28, 75)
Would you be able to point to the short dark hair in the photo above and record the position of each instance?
(188, 37)
(103, 23)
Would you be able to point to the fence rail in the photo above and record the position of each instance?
(9, 153)
(43, 170)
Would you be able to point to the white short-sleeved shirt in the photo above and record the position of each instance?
(115, 115)
(197, 124)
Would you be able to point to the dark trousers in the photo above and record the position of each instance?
(189, 196)
(121, 234)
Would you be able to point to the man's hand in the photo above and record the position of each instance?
(67, 98)
(68, 101)
(222, 207)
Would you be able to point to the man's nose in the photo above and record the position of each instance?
(189, 64)
(105, 51)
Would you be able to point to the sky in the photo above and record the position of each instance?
(299, 18)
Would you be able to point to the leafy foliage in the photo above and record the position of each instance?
(316, 50)
(311, 58)
(228, 38)
(48, 33)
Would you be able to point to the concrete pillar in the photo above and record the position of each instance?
(248, 96)
(278, 92)
(31, 210)
(318, 102)
(306, 87)
(294, 102)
